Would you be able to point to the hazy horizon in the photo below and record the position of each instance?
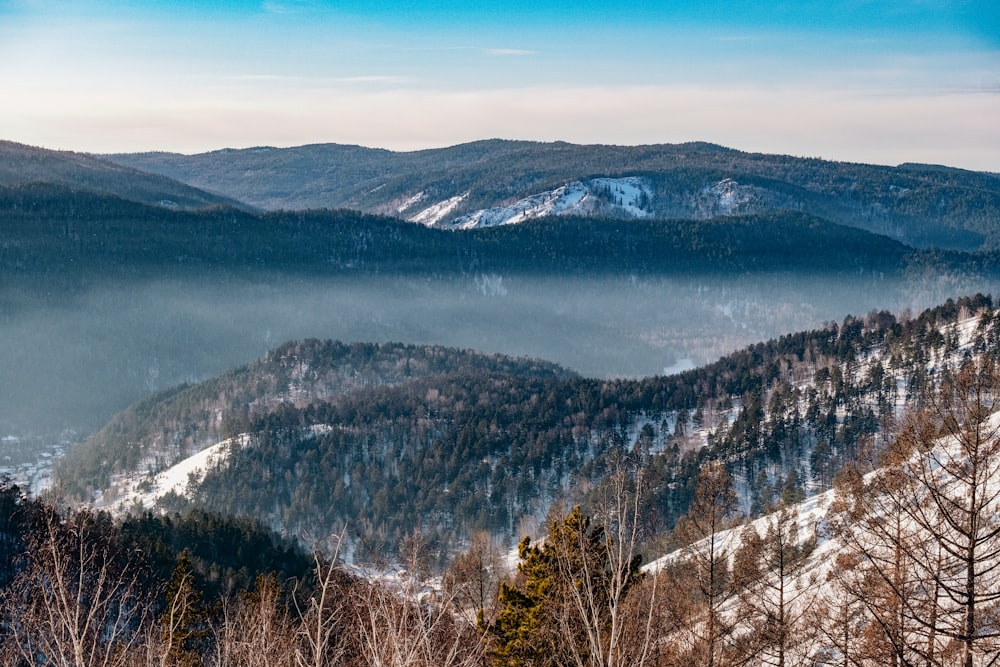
(878, 82)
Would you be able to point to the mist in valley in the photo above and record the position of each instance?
(71, 363)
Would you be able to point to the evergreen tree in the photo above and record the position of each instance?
(184, 626)
(539, 622)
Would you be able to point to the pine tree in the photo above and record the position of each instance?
(541, 621)
(184, 625)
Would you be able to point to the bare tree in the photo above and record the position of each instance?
(839, 616)
(578, 597)
(77, 604)
(775, 596)
(926, 528)
(321, 616)
(708, 556)
(952, 453)
(401, 621)
(256, 630)
(617, 631)
(869, 519)
(473, 579)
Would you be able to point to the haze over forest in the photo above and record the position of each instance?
(318, 316)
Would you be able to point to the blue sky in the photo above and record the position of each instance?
(863, 80)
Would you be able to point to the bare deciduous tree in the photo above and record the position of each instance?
(925, 528)
(321, 616)
(256, 630)
(618, 627)
(76, 604)
(708, 556)
(775, 592)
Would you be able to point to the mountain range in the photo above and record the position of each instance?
(20, 164)
(530, 321)
(493, 182)
(118, 282)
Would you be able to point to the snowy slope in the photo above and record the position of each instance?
(433, 214)
(144, 492)
(629, 197)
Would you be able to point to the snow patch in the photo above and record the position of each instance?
(727, 197)
(629, 196)
(177, 477)
(433, 214)
(407, 203)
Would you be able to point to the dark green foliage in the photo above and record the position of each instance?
(21, 164)
(537, 621)
(185, 622)
(184, 419)
(65, 236)
(19, 514)
(225, 554)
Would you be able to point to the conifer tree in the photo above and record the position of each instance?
(540, 622)
(184, 625)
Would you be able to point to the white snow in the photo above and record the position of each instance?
(176, 477)
(408, 202)
(724, 198)
(433, 214)
(621, 195)
(628, 193)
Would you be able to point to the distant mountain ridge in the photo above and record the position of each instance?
(105, 300)
(21, 164)
(494, 181)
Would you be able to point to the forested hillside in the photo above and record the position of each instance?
(919, 205)
(104, 300)
(20, 164)
(64, 235)
(482, 446)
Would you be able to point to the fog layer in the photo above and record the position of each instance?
(72, 363)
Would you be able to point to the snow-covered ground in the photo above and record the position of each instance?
(630, 195)
(410, 201)
(144, 492)
(437, 212)
(727, 196)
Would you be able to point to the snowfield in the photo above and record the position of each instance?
(175, 478)
(431, 215)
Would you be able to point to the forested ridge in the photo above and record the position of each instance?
(66, 235)
(899, 567)
(921, 205)
(21, 164)
(424, 460)
(488, 444)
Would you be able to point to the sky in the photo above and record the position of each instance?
(881, 81)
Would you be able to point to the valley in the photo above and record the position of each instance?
(469, 352)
